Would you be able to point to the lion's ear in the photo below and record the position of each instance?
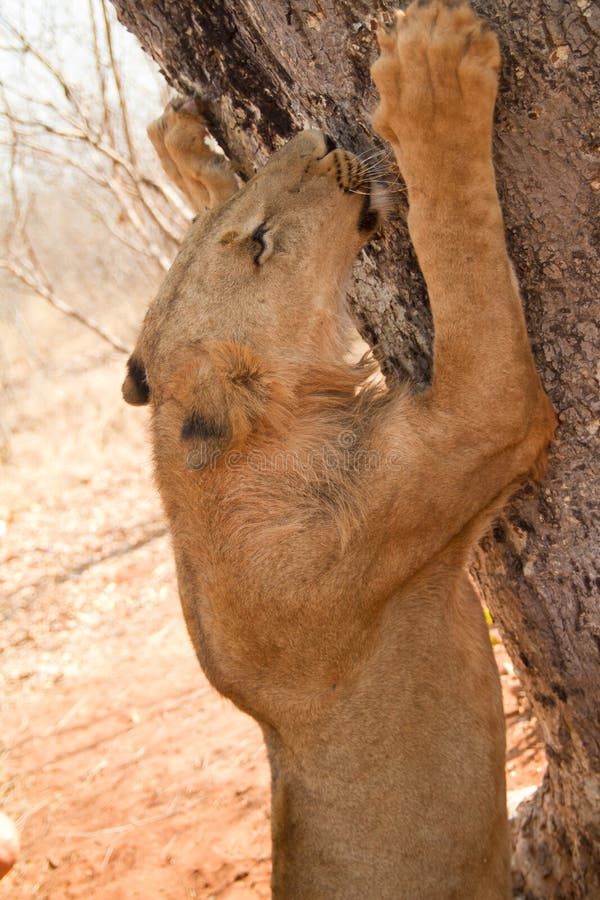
(202, 421)
(135, 388)
(224, 392)
(246, 384)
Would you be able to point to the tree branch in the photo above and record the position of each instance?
(47, 294)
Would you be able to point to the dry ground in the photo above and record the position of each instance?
(127, 775)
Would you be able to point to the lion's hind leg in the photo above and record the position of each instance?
(180, 137)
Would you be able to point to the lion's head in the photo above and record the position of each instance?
(258, 281)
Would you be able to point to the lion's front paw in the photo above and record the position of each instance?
(437, 77)
(180, 139)
(181, 128)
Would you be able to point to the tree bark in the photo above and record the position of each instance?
(268, 68)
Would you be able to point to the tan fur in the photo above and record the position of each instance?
(321, 523)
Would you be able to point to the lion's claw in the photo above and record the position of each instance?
(437, 78)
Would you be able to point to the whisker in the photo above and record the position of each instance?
(371, 153)
(378, 173)
(377, 161)
(384, 164)
(391, 184)
(386, 191)
(377, 158)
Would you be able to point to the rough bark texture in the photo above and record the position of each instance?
(270, 67)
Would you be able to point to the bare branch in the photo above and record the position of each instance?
(106, 113)
(29, 270)
(14, 196)
(156, 215)
(67, 90)
(44, 126)
(146, 247)
(85, 132)
(62, 159)
(47, 294)
(37, 101)
(117, 79)
(125, 239)
(5, 447)
(111, 154)
(22, 329)
(153, 217)
(170, 196)
(138, 223)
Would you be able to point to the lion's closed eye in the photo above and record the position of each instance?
(259, 243)
(263, 239)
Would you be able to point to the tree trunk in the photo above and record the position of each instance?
(268, 68)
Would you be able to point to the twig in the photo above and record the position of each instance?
(75, 571)
(67, 90)
(61, 158)
(146, 247)
(68, 715)
(83, 130)
(163, 707)
(106, 116)
(22, 329)
(30, 270)
(117, 80)
(135, 823)
(136, 246)
(42, 291)
(48, 129)
(5, 444)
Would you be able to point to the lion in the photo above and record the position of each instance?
(321, 520)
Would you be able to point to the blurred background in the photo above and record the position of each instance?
(89, 224)
(126, 774)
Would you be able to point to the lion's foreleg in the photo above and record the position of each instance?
(437, 77)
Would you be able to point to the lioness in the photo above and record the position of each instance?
(321, 523)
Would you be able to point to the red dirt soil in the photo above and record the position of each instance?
(127, 774)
